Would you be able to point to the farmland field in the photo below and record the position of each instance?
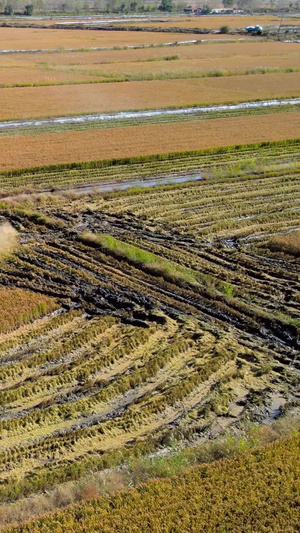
(48, 149)
(165, 21)
(149, 278)
(199, 500)
(66, 100)
(214, 22)
(29, 38)
(180, 61)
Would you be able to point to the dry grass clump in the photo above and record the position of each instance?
(8, 239)
(288, 243)
(18, 307)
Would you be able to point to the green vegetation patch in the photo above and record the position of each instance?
(147, 261)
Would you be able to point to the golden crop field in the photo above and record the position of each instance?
(27, 102)
(18, 307)
(180, 62)
(51, 149)
(149, 280)
(205, 51)
(261, 485)
(32, 38)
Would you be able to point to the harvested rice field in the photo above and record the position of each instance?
(149, 279)
(27, 102)
(175, 318)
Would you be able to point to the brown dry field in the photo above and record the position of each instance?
(32, 38)
(214, 22)
(56, 148)
(29, 102)
(88, 66)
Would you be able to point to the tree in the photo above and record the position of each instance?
(166, 5)
(28, 10)
(133, 5)
(8, 10)
(206, 10)
(224, 29)
(228, 3)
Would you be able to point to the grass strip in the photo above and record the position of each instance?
(105, 77)
(147, 261)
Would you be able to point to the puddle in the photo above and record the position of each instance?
(80, 119)
(112, 186)
(274, 408)
(264, 235)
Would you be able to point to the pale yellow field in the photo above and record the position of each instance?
(73, 67)
(55, 148)
(209, 51)
(32, 38)
(214, 22)
(209, 22)
(71, 99)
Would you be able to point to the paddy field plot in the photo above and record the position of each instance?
(66, 147)
(137, 319)
(209, 60)
(35, 102)
(174, 315)
(36, 38)
(214, 22)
